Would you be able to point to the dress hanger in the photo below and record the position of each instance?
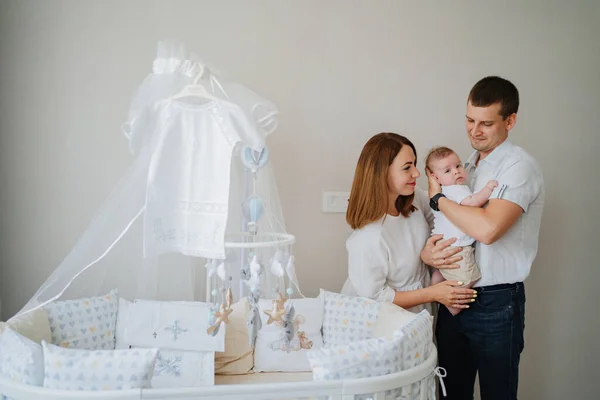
(195, 89)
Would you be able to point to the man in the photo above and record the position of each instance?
(488, 337)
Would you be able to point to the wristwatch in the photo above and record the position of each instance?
(433, 202)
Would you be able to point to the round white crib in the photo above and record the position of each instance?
(368, 388)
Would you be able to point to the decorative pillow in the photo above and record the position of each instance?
(76, 369)
(87, 323)
(270, 354)
(33, 325)
(391, 318)
(173, 325)
(122, 319)
(175, 368)
(419, 340)
(21, 359)
(361, 359)
(238, 357)
(347, 319)
(416, 348)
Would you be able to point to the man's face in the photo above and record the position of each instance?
(486, 128)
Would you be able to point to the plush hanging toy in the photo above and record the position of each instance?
(222, 315)
(254, 322)
(288, 325)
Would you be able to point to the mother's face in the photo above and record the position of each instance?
(403, 173)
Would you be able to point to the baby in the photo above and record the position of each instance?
(446, 168)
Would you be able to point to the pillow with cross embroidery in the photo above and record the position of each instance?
(176, 325)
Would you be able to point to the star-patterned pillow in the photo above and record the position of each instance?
(347, 319)
(406, 348)
(77, 369)
(361, 359)
(87, 323)
(416, 348)
(21, 359)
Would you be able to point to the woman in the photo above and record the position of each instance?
(391, 219)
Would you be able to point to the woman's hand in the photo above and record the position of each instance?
(437, 254)
(449, 295)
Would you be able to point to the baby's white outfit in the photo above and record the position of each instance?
(187, 194)
(468, 271)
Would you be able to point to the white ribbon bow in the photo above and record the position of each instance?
(441, 374)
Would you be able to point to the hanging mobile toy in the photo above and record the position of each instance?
(253, 159)
(288, 325)
(275, 314)
(254, 322)
(223, 314)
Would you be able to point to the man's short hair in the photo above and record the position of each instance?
(494, 89)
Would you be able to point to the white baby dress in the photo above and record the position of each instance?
(187, 194)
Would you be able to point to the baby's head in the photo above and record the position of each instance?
(445, 166)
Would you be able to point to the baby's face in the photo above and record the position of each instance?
(449, 171)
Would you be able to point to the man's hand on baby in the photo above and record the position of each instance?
(434, 186)
(449, 295)
(439, 254)
(492, 184)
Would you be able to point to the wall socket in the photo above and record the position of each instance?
(335, 202)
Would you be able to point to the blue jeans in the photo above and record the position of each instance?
(487, 337)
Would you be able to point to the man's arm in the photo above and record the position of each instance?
(480, 198)
(486, 225)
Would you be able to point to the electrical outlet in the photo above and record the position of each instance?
(335, 202)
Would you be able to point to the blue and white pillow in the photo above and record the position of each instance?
(87, 323)
(416, 348)
(78, 369)
(21, 359)
(406, 348)
(418, 342)
(361, 359)
(347, 319)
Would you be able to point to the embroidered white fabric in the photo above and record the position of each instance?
(181, 195)
(187, 194)
(171, 326)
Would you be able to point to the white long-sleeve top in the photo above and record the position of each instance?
(385, 256)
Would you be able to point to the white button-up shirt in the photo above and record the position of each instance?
(520, 180)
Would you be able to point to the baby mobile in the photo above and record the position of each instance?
(252, 267)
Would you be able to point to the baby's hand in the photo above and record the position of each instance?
(492, 184)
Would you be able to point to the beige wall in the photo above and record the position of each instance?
(339, 72)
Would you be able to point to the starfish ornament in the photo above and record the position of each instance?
(281, 301)
(220, 316)
(275, 314)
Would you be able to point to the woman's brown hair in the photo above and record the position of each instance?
(369, 194)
